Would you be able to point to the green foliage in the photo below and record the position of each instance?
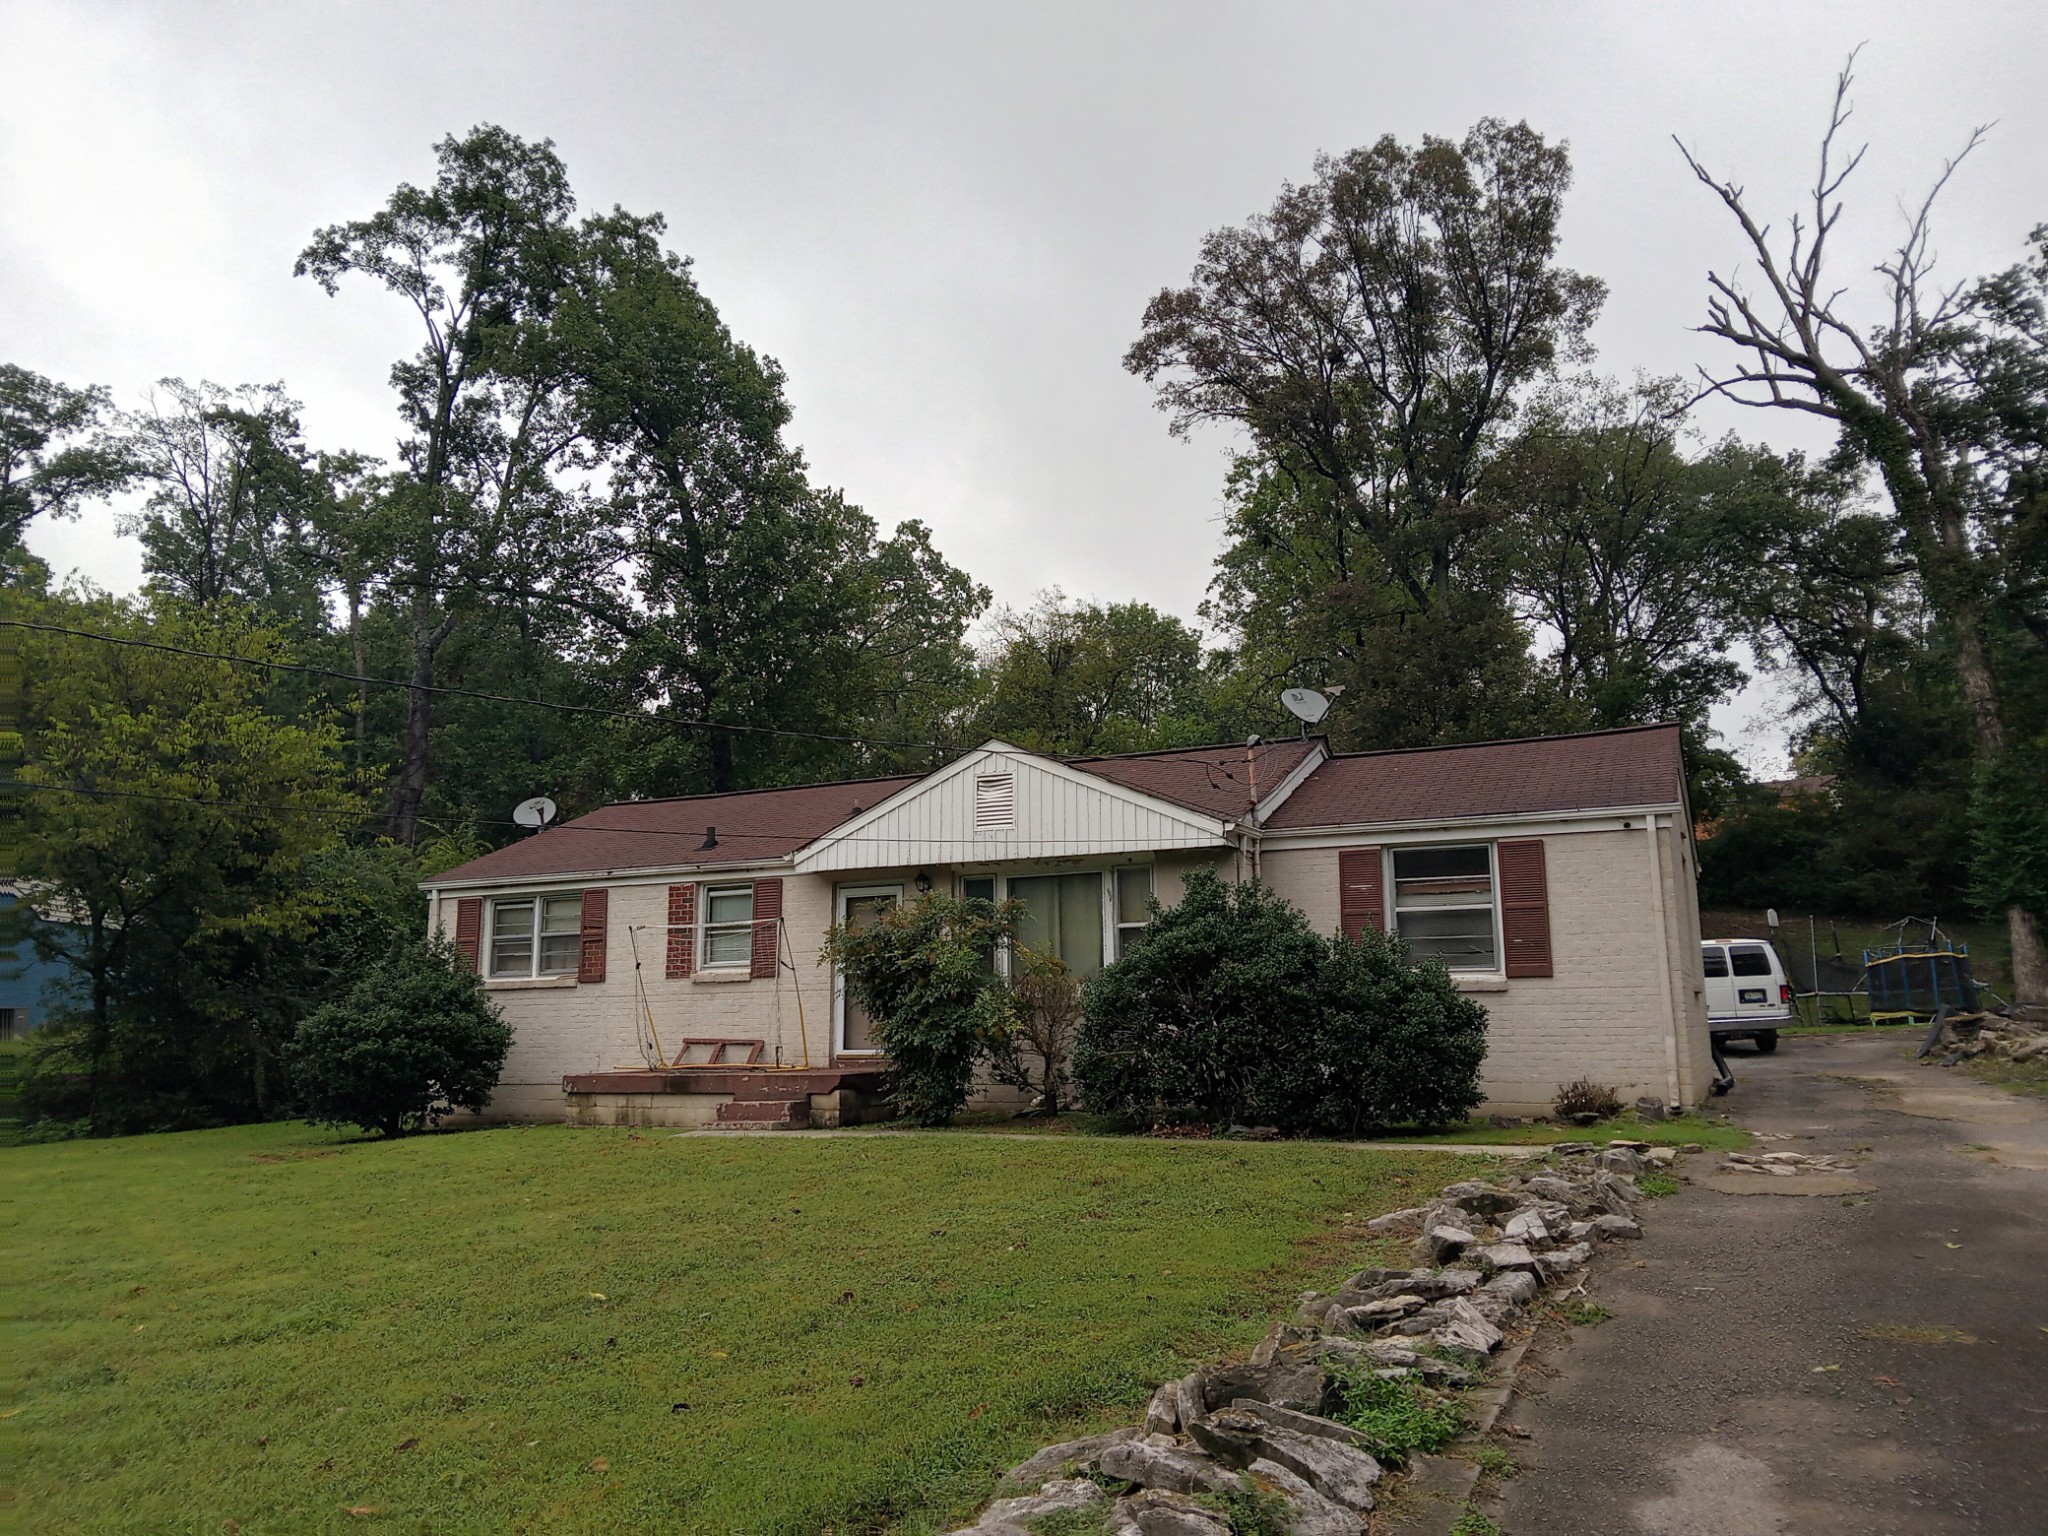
(912, 1366)
(922, 971)
(182, 865)
(1494, 1461)
(2009, 833)
(1398, 1418)
(1253, 1511)
(414, 1040)
(1656, 1183)
(1045, 1016)
(54, 454)
(1474, 1522)
(1581, 1312)
(1233, 1010)
(1080, 679)
(1071, 1522)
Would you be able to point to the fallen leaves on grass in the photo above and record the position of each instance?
(597, 1464)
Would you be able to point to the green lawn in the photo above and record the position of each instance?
(276, 1329)
(1717, 1134)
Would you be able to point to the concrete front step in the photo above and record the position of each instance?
(766, 1112)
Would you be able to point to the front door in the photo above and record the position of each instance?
(859, 905)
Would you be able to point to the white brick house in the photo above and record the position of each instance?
(659, 960)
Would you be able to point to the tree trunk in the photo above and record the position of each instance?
(722, 774)
(409, 792)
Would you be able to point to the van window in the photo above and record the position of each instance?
(1750, 959)
(1713, 960)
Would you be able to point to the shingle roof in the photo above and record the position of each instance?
(1214, 780)
(1639, 766)
(753, 825)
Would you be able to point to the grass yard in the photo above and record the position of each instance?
(277, 1329)
(1717, 1134)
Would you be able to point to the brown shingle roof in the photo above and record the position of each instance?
(752, 825)
(1213, 780)
(1635, 767)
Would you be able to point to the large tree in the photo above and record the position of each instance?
(1087, 678)
(232, 493)
(55, 452)
(1943, 391)
(475, 511)
(730, 593)
(1372, 335)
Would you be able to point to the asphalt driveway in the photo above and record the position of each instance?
(1863, 1353)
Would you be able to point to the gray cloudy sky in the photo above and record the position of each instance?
(943, 219)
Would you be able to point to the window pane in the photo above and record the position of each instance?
(728, 946)
(1133, 891)
(562, 914)
(1440, 863)
(1714, 960)
(512, 938)
(730, 905)
(512, 917)
(978, 888)
(1080, 927)
(1749, 960)
(558, 953)
(1037, 922)
(1462, 940)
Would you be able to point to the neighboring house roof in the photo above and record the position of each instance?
(1636, 767)
(1214, 780)
(753, 826)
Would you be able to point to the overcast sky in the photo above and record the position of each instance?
(944, 220)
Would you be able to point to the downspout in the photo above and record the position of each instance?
(1671, 1083)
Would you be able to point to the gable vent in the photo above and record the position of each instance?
(995, 800)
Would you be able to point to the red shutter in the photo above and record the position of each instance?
(469, 929)
(682, 931)
(767, 928)
(1361, 891)
(590, 962)
(1524, 907)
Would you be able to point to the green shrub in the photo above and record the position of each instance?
(1397, 1418)
(1234, 1010)
(414, 1039)
(923, 973)
(1045, 1016)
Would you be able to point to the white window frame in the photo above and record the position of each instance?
(705, 927)
(1392, 887)
(537, 900)
(1107, 875)
(1117, 926)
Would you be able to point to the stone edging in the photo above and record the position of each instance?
(1485, 1251)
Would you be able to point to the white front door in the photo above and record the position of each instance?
(852, 1029)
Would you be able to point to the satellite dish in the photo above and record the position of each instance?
(1305, 704)
(537, 812)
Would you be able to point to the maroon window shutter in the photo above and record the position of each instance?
(1525, 907)
(1361, 891)
(682, 931)
(469, 929)
(767, 927)
(590, 961)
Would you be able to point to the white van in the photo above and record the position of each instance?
(1749, 996)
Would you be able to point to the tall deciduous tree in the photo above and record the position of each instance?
(1372, 335)
(1086, 678)
(1944, 392)
(482, 257)
(55, 452)
(232, 491)
(738, 593)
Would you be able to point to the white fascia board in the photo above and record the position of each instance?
(1203, 830)
(1274, 798)
(661, 875)
(1532, 823)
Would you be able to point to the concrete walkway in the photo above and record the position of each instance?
(1853, 1353)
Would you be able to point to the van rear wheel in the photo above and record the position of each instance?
(1766, 1041)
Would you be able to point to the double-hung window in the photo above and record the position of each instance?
(536, 935)
(1133, 906)
(728, 926)
(1444, 905)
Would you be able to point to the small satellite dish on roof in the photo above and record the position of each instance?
(537, 812)
(1305, 704)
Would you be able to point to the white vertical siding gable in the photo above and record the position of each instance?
(968, 814)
